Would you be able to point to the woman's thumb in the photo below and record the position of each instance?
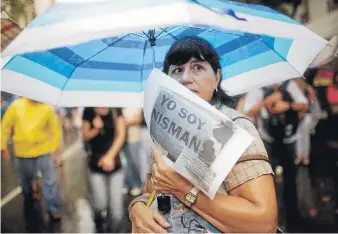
(160, 219)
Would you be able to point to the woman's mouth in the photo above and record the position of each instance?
(194, 91)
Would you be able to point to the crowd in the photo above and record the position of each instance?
(35, 133)
(287, 115)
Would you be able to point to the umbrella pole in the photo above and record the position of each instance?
(153, 51)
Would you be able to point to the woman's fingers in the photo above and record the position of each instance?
(158, 158)
(141, 230)
(149, 226)
(145, 220)
(155, 227)
(155, 171)
(160, 219)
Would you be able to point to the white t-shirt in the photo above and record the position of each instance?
(133, 132)
(257, 96)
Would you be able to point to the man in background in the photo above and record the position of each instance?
(34, 129)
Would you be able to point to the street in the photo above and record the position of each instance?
(77, 213)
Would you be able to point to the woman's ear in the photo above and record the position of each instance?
(218, 77)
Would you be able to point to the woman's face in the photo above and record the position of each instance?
(102, 110)
(197, 76)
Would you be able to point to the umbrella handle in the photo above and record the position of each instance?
(151, 198)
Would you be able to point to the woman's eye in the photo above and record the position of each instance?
(177, 70)
(198, 67)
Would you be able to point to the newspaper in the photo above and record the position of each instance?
(196, 140)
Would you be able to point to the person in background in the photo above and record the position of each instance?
(326, 82)
(306, 125)
(133, 181)
(36, 135)
(104, 131)
(146, 143)
(69, 126)
(6, 103)
(276, 109)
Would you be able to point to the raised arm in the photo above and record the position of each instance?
(300, 103)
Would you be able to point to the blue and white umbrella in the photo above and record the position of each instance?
(106, 49)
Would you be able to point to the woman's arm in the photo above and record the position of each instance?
(255, 101)
(107, 162)
(88, 133)
(255, 110)
(120, 137)
(300, 102)
(251, 207)
(136, 119)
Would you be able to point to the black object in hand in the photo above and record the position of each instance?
(163, 203)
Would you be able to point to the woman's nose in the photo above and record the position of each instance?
(187, 77)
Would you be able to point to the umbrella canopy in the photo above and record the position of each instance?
(111, 71)
(329, 53)
(9, 30)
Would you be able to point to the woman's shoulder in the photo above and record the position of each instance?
(240, 119)
(231, 113)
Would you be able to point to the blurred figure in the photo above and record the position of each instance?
(6, 103)
(276, 109)
(146, 143)
(326, 82)
(132, 183)
(104, 130)
(69, 126)
(36, 135)
(240, 104)
(307, 124)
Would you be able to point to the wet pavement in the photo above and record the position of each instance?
(315, 189)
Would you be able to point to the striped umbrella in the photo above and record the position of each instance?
(117, 44)
(9, 30)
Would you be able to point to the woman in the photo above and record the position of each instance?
(132, 181)
(308, 121)
(104, 130)
(145, 142)
(246, 201)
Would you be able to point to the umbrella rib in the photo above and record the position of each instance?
(139, 36)
(144, 52)
(285, 60)
(158, 36)
(169, 33)
(85, 60)
(146, 35)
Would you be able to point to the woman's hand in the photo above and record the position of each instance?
(166, 180)
(274, 97)
(97, 122)
(107, 163)
(145, 220)
(280, 107)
